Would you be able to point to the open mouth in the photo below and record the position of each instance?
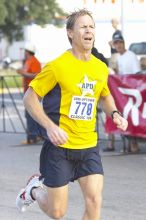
(87, 38)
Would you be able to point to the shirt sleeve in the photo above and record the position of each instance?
(44, 81)
(105, 90)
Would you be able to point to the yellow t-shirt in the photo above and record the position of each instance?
(71, 89)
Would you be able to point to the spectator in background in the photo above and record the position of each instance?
(113, 69)
(101, 57)
(114, 53)
(127, 63)
(31, 66)
(111, 137)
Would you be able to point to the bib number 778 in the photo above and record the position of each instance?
(82, 108)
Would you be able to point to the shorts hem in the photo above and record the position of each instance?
(100, 173)
(56, 185)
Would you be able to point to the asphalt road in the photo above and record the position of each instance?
(124, 195)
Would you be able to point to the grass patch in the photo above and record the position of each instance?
(10, 79)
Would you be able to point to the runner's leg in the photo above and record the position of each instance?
(92, 191)
(52, 201)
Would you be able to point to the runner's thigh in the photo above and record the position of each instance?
(91, 185)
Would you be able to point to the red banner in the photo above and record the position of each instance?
(129, 92)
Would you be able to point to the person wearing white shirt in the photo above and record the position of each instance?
(127, 63)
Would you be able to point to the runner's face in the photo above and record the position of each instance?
(83, 33)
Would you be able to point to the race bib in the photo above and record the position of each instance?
(82, 108)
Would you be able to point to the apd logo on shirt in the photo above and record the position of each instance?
(87, 87)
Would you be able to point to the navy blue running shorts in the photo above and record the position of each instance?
(59, 166)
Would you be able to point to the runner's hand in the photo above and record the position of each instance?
(57, 135)
(121, 122)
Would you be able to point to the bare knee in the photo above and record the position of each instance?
(53, 211)
(94, 202)
(56, 213)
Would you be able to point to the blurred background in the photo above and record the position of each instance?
(43, 23)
